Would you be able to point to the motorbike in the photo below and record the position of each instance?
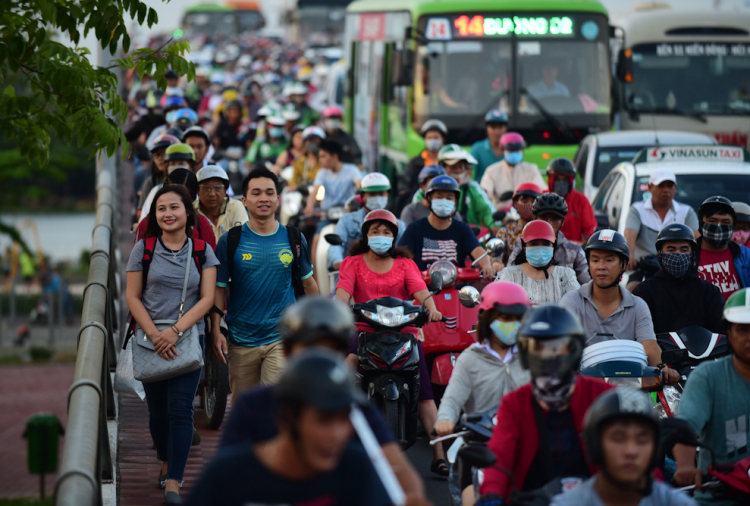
(388, 361)
(213, 387)
(456, 300)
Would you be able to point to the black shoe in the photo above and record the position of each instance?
(163, 481)
(172, 499)
(196, 438)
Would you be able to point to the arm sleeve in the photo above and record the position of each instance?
(695, 398)
(318, 181)
(412, 277)
(336, 253)
(691, 220)
(222, 273)
(458, 391)
(644, 325)
(633, 221)
(588, 220)
(135, 262)
(514, 254)
(503, 444)
(306, 269)
(239, 215)
(347, 276)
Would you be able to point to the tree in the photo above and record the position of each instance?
(59, 89)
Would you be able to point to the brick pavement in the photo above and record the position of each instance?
(25, 390)
(138, 468)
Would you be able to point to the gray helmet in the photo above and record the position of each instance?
(434, 125)
(315, 318)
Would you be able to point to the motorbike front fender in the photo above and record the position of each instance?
(442, 368)
(389, 390)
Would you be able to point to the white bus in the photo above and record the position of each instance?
(684, 70)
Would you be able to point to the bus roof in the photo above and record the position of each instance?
(418, 7)
(208, 8)
(692, 26)
(242, 5)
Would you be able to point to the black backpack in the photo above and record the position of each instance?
(295, 240)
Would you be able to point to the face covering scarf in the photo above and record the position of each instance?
(524, 211)
(562, 188)
(676, 264)
(741, 237)
(380, 244)
(716, 234)
(505, 332)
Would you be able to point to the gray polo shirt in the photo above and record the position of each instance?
(631, 320)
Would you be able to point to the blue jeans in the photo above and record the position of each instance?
(170, 419)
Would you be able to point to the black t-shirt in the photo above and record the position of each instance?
(227, 134)
(678, 303)
(565, 452)
(238, 478)
(429, 245)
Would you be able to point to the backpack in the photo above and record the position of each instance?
(199, 256)
(295, 241)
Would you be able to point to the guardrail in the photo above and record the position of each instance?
(86, 460)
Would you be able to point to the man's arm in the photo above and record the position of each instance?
(310, 207)
(696, 407)
(310, 286)
(632, 226)
(484, 264)
(219, 341)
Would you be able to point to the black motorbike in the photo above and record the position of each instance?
(213, 387)
(388, 361)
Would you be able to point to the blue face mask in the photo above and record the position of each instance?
(276, 132)
(539, 256)
(443, 208)
(514, 157)
(380, 244)
(505, 332)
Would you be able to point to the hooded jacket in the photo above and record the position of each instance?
(741, 256)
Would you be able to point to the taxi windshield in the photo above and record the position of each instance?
(693, 189)
(608, 157)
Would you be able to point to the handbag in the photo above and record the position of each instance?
(149, 366)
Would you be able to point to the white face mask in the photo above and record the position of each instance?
(332, 124)
(443, 208)
(375, 203)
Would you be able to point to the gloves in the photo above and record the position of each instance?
(490, 500)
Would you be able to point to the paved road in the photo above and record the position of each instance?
(420, 456)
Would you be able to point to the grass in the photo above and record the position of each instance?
(26, 501)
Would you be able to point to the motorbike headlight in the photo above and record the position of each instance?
(624, 382)
(390, 316)
(447, 269)
(673, 397)
(335, 213)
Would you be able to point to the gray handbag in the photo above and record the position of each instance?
(149, 366)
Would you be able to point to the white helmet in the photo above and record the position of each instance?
(210, 172)
(313, 131)
(374, 182)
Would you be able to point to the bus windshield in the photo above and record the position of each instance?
(690, 78)
(209, 22)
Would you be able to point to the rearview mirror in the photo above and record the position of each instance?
(477, 456)
(495, 247)
(468, 296)
(436, 278)
(333, 240)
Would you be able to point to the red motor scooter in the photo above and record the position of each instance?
(457, 300)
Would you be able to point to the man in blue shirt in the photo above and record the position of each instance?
(261, 287)
(489, 151)
(549, 86)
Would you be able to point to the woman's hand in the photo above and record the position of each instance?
(164, 344)
(487, 270)
(435, 315)
(444, 428)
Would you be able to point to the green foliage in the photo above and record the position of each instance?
(56, 88)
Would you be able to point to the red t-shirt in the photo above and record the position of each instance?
(363, 284)
(717, 267)
(203, 231)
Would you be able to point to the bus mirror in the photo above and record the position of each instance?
(403, 67)
(625, 66)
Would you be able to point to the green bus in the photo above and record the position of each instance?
(546, 63)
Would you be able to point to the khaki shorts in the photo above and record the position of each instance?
(253, 366)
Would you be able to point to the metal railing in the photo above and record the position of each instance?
(86, 460)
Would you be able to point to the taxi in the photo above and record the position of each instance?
(702, 171)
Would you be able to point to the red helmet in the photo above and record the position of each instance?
(505, 297)
(530, 189)
(380, 215)
(538, 229)
(333, 112)
(512, 141)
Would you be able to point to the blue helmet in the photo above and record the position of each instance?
(174, 103)
(429, 172)
(496, 116)
(443, 183)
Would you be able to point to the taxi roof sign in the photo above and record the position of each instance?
(713, 153)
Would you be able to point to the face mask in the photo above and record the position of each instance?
(380, 244)
(276, 132)
(514, 157)
(505, 332)
(433, 145)
(562, 188)
(312, 147)
(716, 234)
(443, 208)
(539, 256)
(332, 124)
(524, 211)
(676, 264)
(740, 237)
(375, 203)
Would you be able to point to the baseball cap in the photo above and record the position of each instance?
(658, 176)
(210, 172)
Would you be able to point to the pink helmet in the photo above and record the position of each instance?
(505, 297)
(538, 229)
(333, 112)
(512, 141)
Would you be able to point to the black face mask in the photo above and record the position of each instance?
(717, 234)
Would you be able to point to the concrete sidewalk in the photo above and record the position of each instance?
(25, 390)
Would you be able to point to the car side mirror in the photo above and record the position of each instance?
(334, 240)
(477, 456)
(468, 296)
(436, 279)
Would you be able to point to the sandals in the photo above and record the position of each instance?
(440, 467)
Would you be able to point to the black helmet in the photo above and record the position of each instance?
(712, 205)
(676, 232)
(429, 172)
(445, 183)
(317, 378)
(561, 166)
(615, 404)
(545, 323)
(609, 240)
(196, 131)
(315, 318)
(550, 203)
(175, 131)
